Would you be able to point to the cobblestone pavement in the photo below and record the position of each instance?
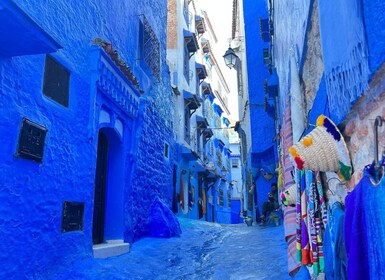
(204, 251)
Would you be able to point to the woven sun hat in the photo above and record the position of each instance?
(323, 149)
(289, 196)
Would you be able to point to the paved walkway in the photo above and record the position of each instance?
(204, 251)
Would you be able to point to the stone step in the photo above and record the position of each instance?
(111, 248)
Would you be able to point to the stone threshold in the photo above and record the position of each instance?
(111, 248)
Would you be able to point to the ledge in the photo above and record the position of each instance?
(111, 248)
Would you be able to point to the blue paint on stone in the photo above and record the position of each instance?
(262, 125)
(163, 221)
(32, 194)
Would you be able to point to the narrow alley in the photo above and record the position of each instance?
(192, 139)
(203, 251)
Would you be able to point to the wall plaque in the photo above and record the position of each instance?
(73, 216)
(31, 141)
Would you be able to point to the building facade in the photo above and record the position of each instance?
(87, 120)
(257, 97)
(201, 122)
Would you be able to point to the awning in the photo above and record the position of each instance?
(228, 152)
(216, 142)
(201, 71)
(221, 145)
(211, 97)
(206, 88)
(200, 25)
(208, 133)
(20, 35)
(202, 122)
(218, 109)
(191, 41)
(205, 44)
(226, 121)
(191, 100)
(188, 154)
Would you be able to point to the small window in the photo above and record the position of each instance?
(166, 150)
(56, 81)
(234, 163)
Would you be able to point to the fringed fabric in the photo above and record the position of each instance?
(345, 53)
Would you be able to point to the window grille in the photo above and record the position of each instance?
(150, 48)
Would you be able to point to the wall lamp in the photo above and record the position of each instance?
(230, 58)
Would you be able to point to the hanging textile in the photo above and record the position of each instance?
(365, 230)
(334, 244)
(182, 197)
(204, 202)
(345, 54)
(309, 225)
(191, 193)
(288, 181)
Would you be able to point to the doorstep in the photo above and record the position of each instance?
(111, 248)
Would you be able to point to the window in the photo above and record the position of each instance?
(187, 125)
(150, 48)
(56, 81)
(221, 197)
(186, 64)
(166, 150)
(234, 163)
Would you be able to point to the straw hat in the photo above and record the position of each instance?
(289, 196)
(323, 149)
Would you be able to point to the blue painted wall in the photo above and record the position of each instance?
(374, 23)
(31, 194)
(262, 124)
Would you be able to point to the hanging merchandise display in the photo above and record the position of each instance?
(365, 229)
(334, 243)
(288, 181)
(323, 149)
(344, 52)
(310, 212)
